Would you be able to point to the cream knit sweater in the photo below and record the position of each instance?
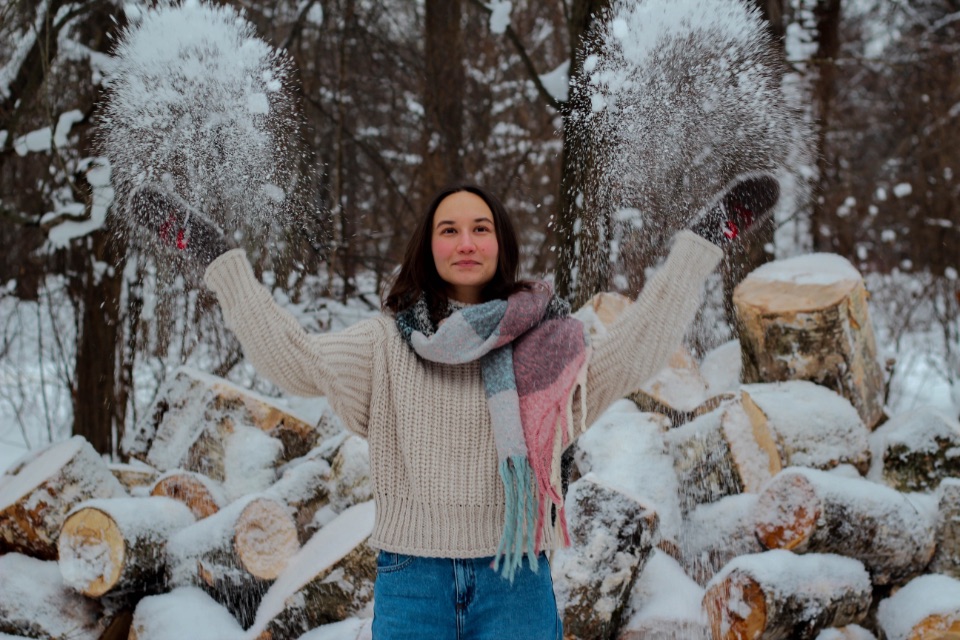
(432, 455)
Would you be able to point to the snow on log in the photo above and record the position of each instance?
(136, 477)
(665, 604)
(35, 502)
(601, 311)
(678, 391)
(350, 474)
(721, 453)
(200, 494)
(806, 318)
(625, 450)
(720, 369)
(236, 553)
(349, 629)
(914, 451)
(205, 424)
(35, 603)
(612, 537)
(118, 545)
(305, 489)
(185, 612)
(329, 580)
(946, 559)
(777, 595)
(716, 533)
(926, 608)
(813, 425)
(806, 510)
(848, 632)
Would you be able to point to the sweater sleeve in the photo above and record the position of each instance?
(649, 331)
(337, 365)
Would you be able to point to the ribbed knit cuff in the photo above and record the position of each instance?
(230, 276)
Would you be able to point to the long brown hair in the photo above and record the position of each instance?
(418, 272)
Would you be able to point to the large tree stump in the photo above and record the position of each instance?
(806, 318)
(330, 579)
(777, 595)
(721, 453)
(814, 426)
(914, 451)
(236, 553)
(35, 502)
(665, 604)
(624, 449)
(716, 533)
(927, 608)
(946, 559)
(35, 603)
(118, 545)
(806, 510)
(612, 537)
(200, 494)
(184, 613)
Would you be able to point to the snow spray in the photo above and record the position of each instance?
(684, 96)
(201, 109)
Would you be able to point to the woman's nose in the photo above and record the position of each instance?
(466, 243)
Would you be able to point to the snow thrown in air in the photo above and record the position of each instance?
(200, 108)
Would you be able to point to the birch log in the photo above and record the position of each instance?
(814, 426)
(330, 579)
(236, 553)
(806, 510)
(806, 318)
(716, 533)
(777, 595)
(305, 489)
(200, 494)
(721, 453)
(612, 537)
(118, 545)
(35, 502)
(927, 608)
(946, 559)
(185, 613)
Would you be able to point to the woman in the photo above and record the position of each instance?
(466, 503)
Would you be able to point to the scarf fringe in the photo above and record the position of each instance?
(520, 526)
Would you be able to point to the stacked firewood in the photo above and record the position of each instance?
(758, 492)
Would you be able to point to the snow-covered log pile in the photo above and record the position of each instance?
(760, 509)
(235, 519)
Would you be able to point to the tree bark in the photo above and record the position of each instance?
(827, 16)
(596, 579)
(443, 96)
(196, 491)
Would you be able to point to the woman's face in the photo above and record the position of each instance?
(464, 243)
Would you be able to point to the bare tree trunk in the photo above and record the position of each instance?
(96, 414)
(583, 225)
(443, 96)
(827, 15)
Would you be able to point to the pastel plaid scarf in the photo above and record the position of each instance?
(533, 357)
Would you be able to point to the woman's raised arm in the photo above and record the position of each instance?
(337, 365)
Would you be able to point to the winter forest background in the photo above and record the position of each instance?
(396, 98)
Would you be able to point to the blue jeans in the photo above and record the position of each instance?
(417, 598)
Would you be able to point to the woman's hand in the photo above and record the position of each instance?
(746, 202)
(178, 225)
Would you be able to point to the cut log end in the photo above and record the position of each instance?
(736, 608)
(788, 523)
(187, 489)
(92, 552)
(937, 628)
(266, 538)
